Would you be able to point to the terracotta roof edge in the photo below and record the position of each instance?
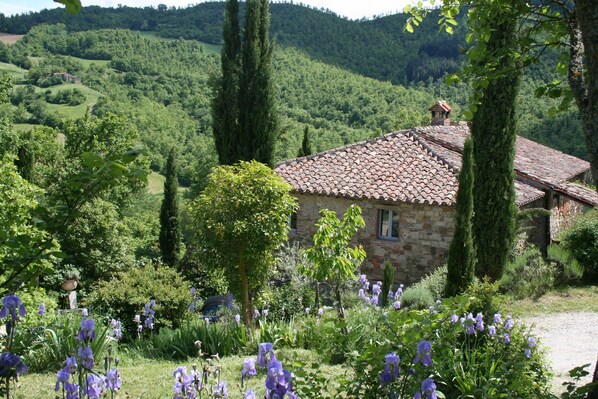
(425, 146)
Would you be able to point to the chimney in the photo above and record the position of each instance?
(441, 113)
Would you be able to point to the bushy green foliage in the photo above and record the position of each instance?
(417, 297)
(288, 292)
(528, 275)
(463, 365)
(49, 344)
(567, 268)
(70, 97)
(582, 241)
(222, 338)
(422, 294)
(125, 294)
(387, 281)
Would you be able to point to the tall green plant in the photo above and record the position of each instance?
(306, 148)
(244, 116)
(461, 257)
(170, 229)
(387, 281)
(333, 259)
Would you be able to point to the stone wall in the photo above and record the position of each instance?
(564, 210)
(425, 233)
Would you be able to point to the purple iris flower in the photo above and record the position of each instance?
(528, 353)
(454, 319)
(374, 300)
(531, 341)
(87, 332)
(320, 312)
(361, 294)
(94, 387)
(62, 377)
(492, 330)
(113, 380)
(220, 390)
(424, 350)
(497, 318)
(265, 313)
(248, 368)
(391, 295)
(396, 305)
(238, 318)
(85, 355)
(72, 390)
(256, 313)
(506, 338)
(391, 368)
(471, 329)
(275, 374)
(377, 288)
(428, 389)
(307, 310)
(137, 319)
(265, 354)
(362, 278)
(509, 323)
(42, 309)
(10, 305)
(249, 395)
(116, 329)
(11, 364)
(479, 319)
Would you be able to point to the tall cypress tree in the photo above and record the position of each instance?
(225, 111)
(170, 230)
(257, 116)
(305, 149)
(245, 122)
(461, 257)
(493, 133)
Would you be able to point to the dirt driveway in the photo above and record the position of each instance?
(571, 340)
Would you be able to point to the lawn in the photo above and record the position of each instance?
(568, 299)
(73, 112)
(155, 183)
(12, 70)
(87, 63)
(144, 378)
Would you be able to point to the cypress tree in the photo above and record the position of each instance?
(225, 112)
(170, 230)
(461, 257)
(257, 116)
(493, 133)
(387, 281)
(305, 149)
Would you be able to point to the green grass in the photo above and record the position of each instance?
(12, 70)
(144, 378)
(67, 111)
(569, 299)
(86, 63)
(155, 183)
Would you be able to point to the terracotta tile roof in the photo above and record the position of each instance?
(535, 161)
(581, 193)
(440, 105)
(398, 167)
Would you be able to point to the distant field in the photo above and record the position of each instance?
(12, 69)
(155, 183)
(7, 38)
(214, 48)
(77, 111)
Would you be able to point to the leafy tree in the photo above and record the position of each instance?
(21, 240)
(245, 120)
(240, 219)
(333, 260)
(305, 149)
(170, 229)
(461, 257)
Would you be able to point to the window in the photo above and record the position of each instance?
(388, 224)
(292, 223)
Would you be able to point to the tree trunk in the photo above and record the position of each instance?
(584, 42)
(244, 289)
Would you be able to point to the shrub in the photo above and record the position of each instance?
(528, 274)
(582, 241)
(289, 292)
(422, 294)
(567, 268)
(478, 364)
(209, 281)
(417, 297)
(126, 294)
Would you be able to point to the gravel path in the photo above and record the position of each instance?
(571, 340)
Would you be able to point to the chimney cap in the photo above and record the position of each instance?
(440, 105)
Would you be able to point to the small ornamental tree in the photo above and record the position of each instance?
(240, 219)
(333, 260)
(306, 148)
(170, 229)
(461, 257)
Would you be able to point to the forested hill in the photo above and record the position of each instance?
(378, 48)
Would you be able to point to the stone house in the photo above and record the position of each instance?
(67, 77)
(406, 182)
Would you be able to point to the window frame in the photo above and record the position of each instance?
(389, 220)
